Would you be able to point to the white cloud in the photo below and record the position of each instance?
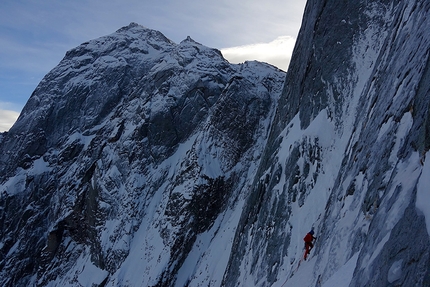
(7, 119)
(277, 52)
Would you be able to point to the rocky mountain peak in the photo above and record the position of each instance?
(189, 40)
(131, 26)
(98, 142)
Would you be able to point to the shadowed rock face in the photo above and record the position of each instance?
(141, 162)
(127, 124)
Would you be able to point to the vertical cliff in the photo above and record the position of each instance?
(346, 155)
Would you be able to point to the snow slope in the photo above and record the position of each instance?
(346, 155)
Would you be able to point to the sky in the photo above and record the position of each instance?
(36, 34)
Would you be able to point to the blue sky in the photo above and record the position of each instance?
(35, 34)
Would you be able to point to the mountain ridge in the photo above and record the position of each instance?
(169, 166)
(102, 136)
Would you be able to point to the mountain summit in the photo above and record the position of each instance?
(141, 162)
(125, 153)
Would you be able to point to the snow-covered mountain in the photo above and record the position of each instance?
(141, 162)
(128, 161)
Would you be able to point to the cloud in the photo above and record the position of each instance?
(278, 52)
(7, 119)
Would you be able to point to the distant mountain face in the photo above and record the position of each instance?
(141, 162)
(126, 152)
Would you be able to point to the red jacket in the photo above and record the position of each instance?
(308, 238)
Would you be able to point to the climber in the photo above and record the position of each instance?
(308, 242)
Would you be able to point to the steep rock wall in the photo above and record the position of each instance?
(345, 155)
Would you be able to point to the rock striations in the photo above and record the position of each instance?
(141, 162)
(347, 155)
(132, 146)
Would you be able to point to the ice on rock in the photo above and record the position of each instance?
(395, 271)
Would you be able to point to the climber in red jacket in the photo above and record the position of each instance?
(308, 243)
